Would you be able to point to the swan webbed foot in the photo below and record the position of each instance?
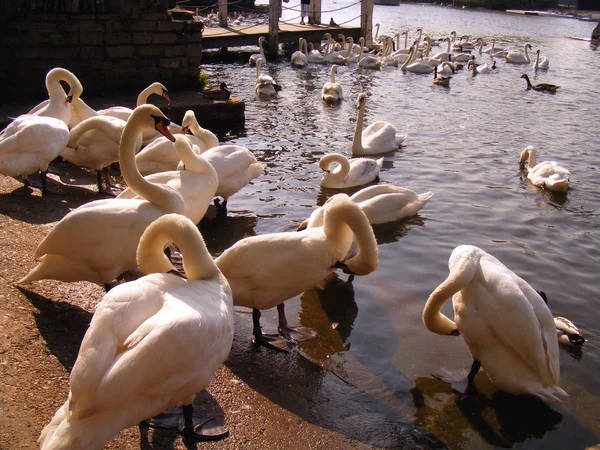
(221, 207)
(292, 334)
(464, 388)
(192, 428)
(109, 189)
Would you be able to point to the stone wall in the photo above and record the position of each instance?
(109, 53)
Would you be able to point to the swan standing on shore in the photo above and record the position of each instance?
(547, 174)
(350, 173)
(507, 326)
(153, 343)
(332, 92)
(379, 137)
(266, 270)
(97, 241)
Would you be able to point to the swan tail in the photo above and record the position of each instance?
(380, 162)
(414, 207)
(424, 198)
(256, 169)
(557, 185)
(400, 138)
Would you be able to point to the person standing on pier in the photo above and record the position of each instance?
(304, 11)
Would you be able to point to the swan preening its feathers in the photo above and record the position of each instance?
(350, 173)
(507, 326)
(547, 174)
(153, 343)
(379, 137)
(266, 270)
(568, 334)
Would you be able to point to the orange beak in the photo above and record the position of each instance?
(164, 130)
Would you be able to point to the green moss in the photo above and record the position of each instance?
(203, 79)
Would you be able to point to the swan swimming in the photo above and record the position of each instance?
(265, 85)
(254, 57)
(332, 92)
(350, 173)
(507, 326)
(266, 270)
(153, 343)
(519, 58)
(547, 174)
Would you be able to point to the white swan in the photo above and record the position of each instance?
(518, 58)
(381, 203)
(566, 331)
(265, 85)
(332, 57)
(254, 57)
(153, 343)
(350, 173)
(540, 63)
(94, 143)
(368, 61)
(196, 184)
(298, 58)
(507, 326)
(379, 137)
(97, 241)
(493, 50)
(314, 56)
(332, 92)
(266, 270)
(547, 174)
(416, 67)
(190, 125)
(236, 166)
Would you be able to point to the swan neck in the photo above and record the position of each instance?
(192, 161)
(82, 109)
(332, 75)
(143, 97)
(357, 146)
(93, 123)
(340, 172)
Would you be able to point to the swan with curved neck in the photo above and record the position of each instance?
(160, 330)
(196, 184)
(266, 270)
(519, 58)
(547, 174)
(254, 57)
(97, 241)
(379, 137)
(349, 173)
(566, 331)
(507, 326)
(332, 92)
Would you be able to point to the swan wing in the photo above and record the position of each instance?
(393, 206)
(363, 171)
(380, 136)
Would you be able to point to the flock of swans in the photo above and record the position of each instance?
(155, 342)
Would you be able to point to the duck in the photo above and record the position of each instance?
(381, 203)
(547, 174)
(196, 181)
(265, 85)
(379, 137)
(266, 270)
(350, 173)
(254, 57)
(518, 58)
(161, 330)
(542, 87)
(236, 166)
(299, 58)
(332, 92)
(222, 93)
(97, 241)
(540, 63)
(566, 331)
(441, 80)
(507, 326)
(32, 141)
(94, 143)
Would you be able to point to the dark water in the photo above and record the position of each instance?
(464, 143)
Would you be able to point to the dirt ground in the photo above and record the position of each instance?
(42, 324)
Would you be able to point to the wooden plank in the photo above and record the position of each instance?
(247, 35)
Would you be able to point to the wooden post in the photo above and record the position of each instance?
(223, 13)
(274, 14)
(315, 11)
(366, 21)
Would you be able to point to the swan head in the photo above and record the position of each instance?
(530, 149)
(159, 89)
(362, 99)
(150, 116)
(326, 161)
(190, 117)
(528, 46)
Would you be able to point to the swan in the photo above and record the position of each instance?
(97, 241)
(314, 56)
(518, 58)
(540, 63)
(381, 203)
(544, 87)
(446, 68)
(493, 50)
(254, 57)
(547, 174)
(94, 143)
(332, 91)
(265, 85)
(379, 137)
(158, 155)
(368, 61)
(266, 270)
(153, 343)
(566, 331)
(483, 68)
(507, 326)
(330, 56)
(196, 184)
(350, 173)
(416, 67)
(298, 58)
(32, 141)
(236, 166)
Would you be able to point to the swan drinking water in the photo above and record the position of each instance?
(547, 174)
(153, 343)
(266, 270)
(507, 326)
